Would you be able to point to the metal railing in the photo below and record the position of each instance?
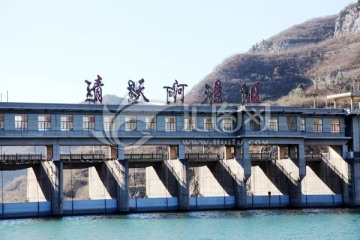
(325, 157)
(233, 175)
(9, 158)
(89, 157)
(204, 156)
(146, 156)
(263, 156)
(283, 170)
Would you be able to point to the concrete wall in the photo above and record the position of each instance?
(34, 179)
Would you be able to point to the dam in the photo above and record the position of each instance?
(74, 159)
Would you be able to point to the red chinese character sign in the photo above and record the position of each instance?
(94, 93)
(135, 92)
(175, 93)
(254, 93)
(213, 95)
(244, 94)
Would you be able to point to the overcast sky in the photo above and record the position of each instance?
(48, 48)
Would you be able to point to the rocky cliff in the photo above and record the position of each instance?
(348, 21)
(315, 58)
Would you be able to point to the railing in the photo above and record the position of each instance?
(312, 156)
(233, 175)
(263, 156)
(146, 156)
(21, 157)
(182, 182)
(83, 157)
(204, 156)
(282, 169)
(325, 157)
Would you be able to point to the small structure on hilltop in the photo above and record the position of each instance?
(213, 95)
(135, 92)
(94, 94)
(348, 100)
(175, 93)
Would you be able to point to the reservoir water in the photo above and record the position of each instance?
(250, 224)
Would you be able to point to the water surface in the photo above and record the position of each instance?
(251, 224)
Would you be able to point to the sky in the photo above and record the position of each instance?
(49, 48)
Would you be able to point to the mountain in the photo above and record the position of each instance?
(306, 61)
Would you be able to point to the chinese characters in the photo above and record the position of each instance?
(176, 92)
(136, 92)
(213, 95)
(94, 93)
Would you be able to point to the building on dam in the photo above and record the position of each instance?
(91, 158)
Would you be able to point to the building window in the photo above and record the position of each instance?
(273, 123)
(209, 123)
(227, 124)
(189, 123)
(21, 122)
(44, 122)
(170, 124)
(89, 122)
(150, 123)
(302, 124)
(1, 121)
(130, 123)
(291, 123)
(67, 123)
(255, 123)
(109, 123)
(335, 125)
(317, 125)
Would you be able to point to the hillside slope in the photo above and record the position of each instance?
(319, 56)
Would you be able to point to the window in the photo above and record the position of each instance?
(302, 124)
(291, 123)
(1, 121)
(189, 123)
(255, 123)
(67, 122)
(335, 125)
(44, 122)
(109, 123)
(150, 123)
(21, 122)
(317, 125)
(227, 124)
(209, 124)
(273, 123)
(89, 122)
(130, 123)
(170, 124)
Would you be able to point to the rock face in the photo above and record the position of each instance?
(310, 32)
(306, 55)
(348, 21)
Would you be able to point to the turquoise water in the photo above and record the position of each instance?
(253, 224)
